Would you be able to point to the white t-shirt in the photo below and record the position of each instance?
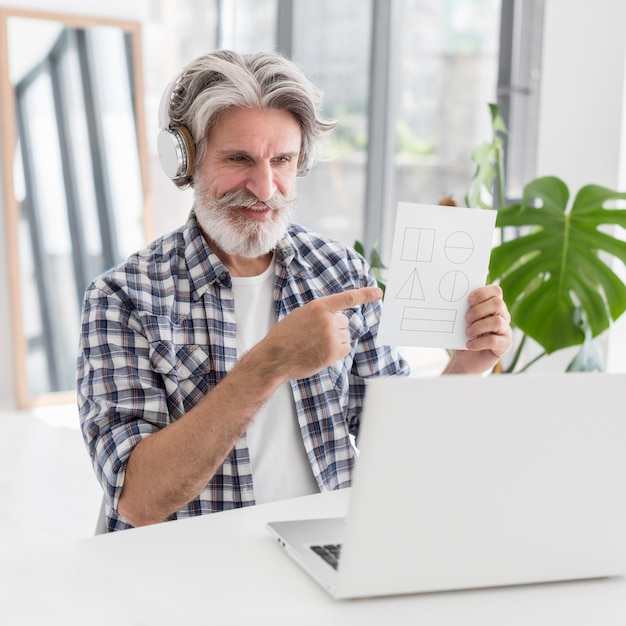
(280, 467)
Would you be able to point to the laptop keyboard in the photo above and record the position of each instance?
(329, 552)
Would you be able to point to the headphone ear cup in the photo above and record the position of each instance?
(190, 147)
(177, 152)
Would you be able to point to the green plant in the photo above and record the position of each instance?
(554, 274)
(486, 189)
(375, 261)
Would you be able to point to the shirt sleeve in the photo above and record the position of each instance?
(120, 398)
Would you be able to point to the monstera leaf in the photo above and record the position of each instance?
(555, 277)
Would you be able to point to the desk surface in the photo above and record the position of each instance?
(226, 569)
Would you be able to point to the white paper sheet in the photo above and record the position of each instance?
(440, 255)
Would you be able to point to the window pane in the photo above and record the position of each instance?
(447, 55)
(32, 325)
(332, 45)
(50, 232)
(248, 25)
(198, 27)
(81, 168)
(114, 106)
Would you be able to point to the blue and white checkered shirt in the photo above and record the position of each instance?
(158, 333)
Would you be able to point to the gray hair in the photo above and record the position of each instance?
(216, 82)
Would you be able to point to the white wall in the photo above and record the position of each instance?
(582, 130)
(582, 92)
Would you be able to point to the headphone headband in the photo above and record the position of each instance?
(164, 105)
(176, 148)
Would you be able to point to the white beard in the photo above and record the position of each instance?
(237, 235)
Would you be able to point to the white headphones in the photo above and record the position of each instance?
(177, 150)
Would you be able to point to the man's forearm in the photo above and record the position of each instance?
(171, 467)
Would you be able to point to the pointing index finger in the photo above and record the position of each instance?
(351, 298)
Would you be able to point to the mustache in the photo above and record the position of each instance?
(248, 200)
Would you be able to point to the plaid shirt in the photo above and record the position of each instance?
(158, 333)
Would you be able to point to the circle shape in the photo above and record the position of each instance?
(453, 286)
(459, 247)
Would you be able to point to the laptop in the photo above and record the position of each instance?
(467, 482)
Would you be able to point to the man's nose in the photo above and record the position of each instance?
(261, 181)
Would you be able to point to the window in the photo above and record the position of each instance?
(332, 43)
(408, 81)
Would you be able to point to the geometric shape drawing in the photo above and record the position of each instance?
(418, 244)
(459, 247)
(453, 286)
(412, 288)
(428, 320)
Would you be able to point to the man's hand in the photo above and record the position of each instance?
(315, 335)
(489, 332)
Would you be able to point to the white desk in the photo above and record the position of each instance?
(225, 569)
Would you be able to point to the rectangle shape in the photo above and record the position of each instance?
(422, 319)
(423, 313)
(426, 326)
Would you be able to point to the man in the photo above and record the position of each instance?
(224, 365)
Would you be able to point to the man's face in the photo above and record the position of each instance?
(244, 187)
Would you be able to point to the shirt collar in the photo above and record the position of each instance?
(203, 265)
(205, 268)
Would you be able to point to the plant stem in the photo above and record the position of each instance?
(516, 356)
(501, 200)
(532, 362)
